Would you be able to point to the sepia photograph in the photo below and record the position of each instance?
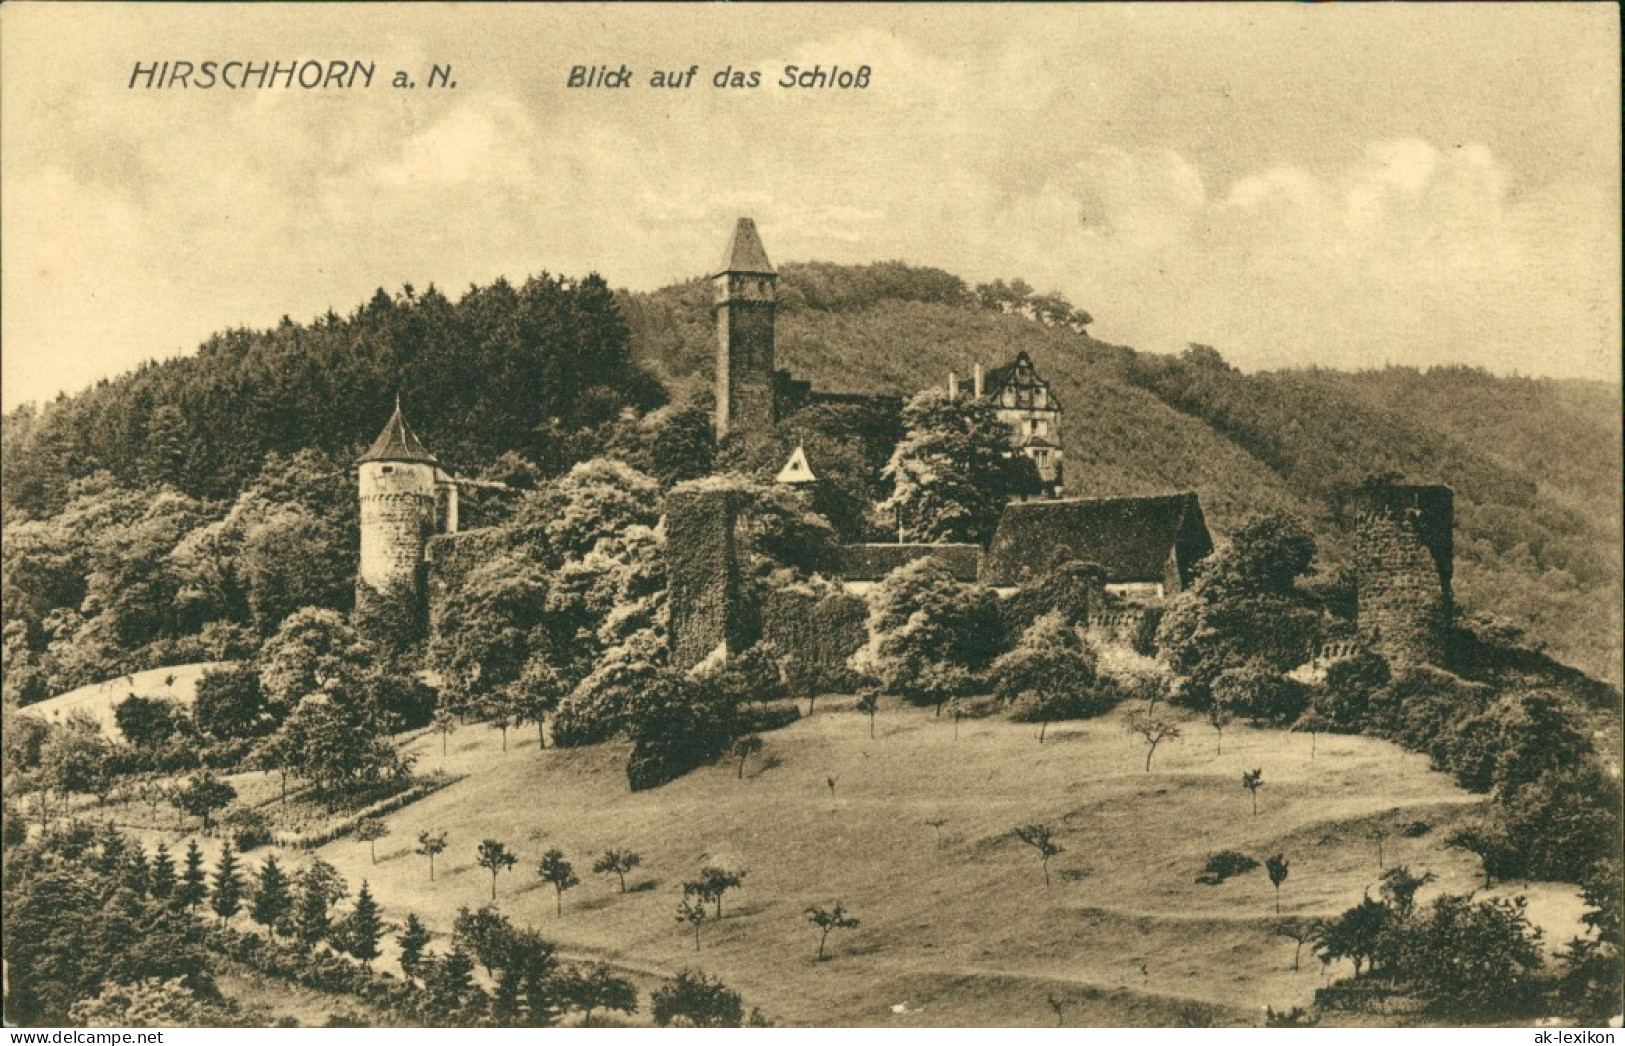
(741, 515)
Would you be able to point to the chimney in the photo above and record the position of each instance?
(977, 381)
(953, 385)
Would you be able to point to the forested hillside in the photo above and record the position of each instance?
(553, 371)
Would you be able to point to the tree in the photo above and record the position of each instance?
(617, 863)
(448, 985)
(445, 723)
(1356, 935)
(1591, 982)
(596, 987)
(203, 795)
(1252, 781)
(1314, 724)
(558, 873)
(311, 650)
(320, 888)
(500, 710)
(1052, 663)
(1041, 837)
(484, 933)
(147, 722)
(691, 910)
(1378, 834)
(712, 884)
(954, 471)
(493, 856)
(1298, 930)
(228, 704)
(537, 693)
(413, 939)
(273, 897)
(1245, 610)
(1219, 716)
(1276, 866)
(743, 748)
(827, 919)
(162, 883)
(369, 830)
(1153, 730)
(430, 844)
(929, 634)
(364, 928)
(338, 740)
(192, 889)
(226, 894)
(488, 627)
(868, 704)
(694, 1000)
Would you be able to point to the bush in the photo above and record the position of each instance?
(1345, 694)
(1133, 675)
(597, 710)
(1474, 957)
(677, 724)
(1224, 865)
(249, 828)
(695, 1000)
(762, 718)
(1260, 693)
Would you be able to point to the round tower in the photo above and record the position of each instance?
(398, 488)
(1403, 558)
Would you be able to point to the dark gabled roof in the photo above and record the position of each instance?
(1130, 538)
(994, 380)
(396, 443)
(873, 562)
(745, 252)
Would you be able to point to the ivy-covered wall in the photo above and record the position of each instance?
(815, 631)
(702, 567)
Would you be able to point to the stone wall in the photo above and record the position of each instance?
(1119, 626)
(1403, 558)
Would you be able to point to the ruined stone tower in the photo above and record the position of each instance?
(1403, 553)
(744, 311)
(401, 486)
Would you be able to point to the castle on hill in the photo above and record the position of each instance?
(1146, 547)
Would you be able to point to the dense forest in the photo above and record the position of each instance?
(121, 500)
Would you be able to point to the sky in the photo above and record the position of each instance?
(1293, 184)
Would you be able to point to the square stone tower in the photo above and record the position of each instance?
(745, 302)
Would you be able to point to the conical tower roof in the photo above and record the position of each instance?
(396, 443)
(745, 252)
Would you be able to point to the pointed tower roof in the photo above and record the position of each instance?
(396, 443)
(796, 470)
(745, 252)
